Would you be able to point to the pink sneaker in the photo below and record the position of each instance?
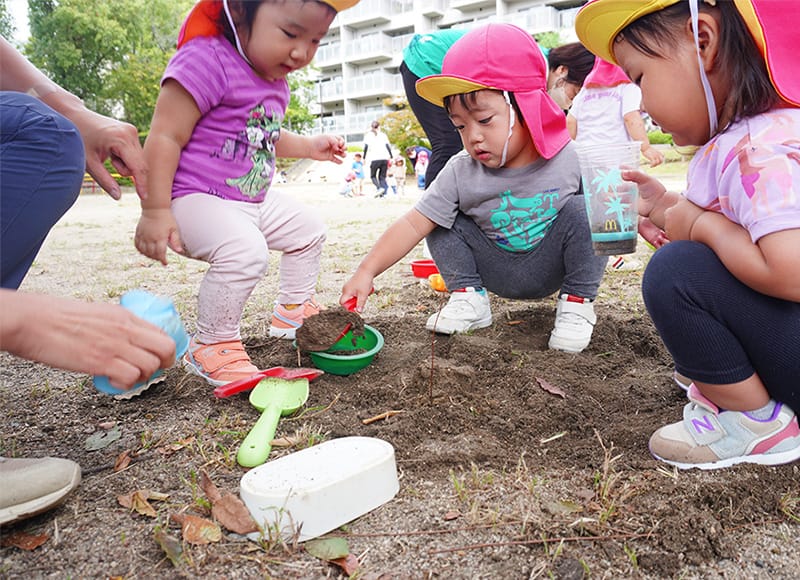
(285, 321)
(220, 363)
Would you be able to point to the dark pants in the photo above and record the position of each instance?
(377, 173)
(41, 173)
(445, 140)
(563, 261)
(719, 330)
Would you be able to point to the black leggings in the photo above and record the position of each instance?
(445, 140)
(719, 330)
(377, 173)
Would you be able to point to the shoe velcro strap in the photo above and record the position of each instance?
(702, 424)
(213, 357)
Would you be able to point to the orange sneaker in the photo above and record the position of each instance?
(285, 321)
(219, 363)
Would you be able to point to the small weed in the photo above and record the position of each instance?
(631, 553)
(790, 506)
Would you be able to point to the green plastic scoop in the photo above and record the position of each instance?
(274, 397)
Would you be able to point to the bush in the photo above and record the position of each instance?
(659, 138)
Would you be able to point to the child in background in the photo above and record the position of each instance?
(211, 150)
(358, 169)
(347, 187)
(399, 168)
(504, 215)
(420, 167)
(724, 292)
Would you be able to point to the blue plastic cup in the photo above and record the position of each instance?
(157, 310)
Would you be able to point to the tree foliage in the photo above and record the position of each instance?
(7, 27)
(112, 53)
(403, 129)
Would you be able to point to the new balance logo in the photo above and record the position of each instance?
(703, 424)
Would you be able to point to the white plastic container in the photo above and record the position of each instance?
(318, 489)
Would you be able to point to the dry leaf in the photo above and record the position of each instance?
(349, 564)
(553, 390)
(24, 541)
(231, 512)
(197, 530)
(173, 447)
(451, 515)
(328, 548)
(138, 500)
(170, 545)
(123, 461)
(208, 487)
(228, 510)
(288, 440)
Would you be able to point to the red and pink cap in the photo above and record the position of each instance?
(502, 57)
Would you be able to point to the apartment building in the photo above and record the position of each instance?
(360, 57)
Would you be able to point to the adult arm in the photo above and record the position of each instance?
(88, 337)
(393, 245)
(103, 137)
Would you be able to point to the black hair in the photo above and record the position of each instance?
(248, 9)
(467, 101)
(575, 57)
(751, 91)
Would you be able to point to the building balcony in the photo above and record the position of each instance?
(367, 13)
(329, 55)
(432, 8)
(539, 19)
(471, 4)
(370, 48)
(370, 86)
(331, 91)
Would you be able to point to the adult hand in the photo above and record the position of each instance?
(93, 338)
(106, 138)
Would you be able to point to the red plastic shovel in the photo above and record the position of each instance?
(350, 304)
(278, 372)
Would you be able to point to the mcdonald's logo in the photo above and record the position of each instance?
(611, 226)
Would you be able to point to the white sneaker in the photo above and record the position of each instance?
(575, 320)
(466, 310)
(31, 486)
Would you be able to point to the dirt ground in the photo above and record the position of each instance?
(514, 461)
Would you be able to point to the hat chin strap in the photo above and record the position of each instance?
(235, 33)
(511, 120)
(709, 94)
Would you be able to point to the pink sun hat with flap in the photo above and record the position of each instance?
(605, 74)
(502, 57)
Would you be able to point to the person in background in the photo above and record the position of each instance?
(568, 65)
(213, 142)
(505, 215)
(49, 140)
(399, 164)
(724, 292)
(420, 168)
(378, 152)
(608, 110)
(358, 168)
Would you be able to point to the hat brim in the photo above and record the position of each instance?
(598, 23)
(340, 5)
(435, 88)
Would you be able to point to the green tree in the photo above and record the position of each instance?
(7, 28)
(298, 118)
(111, 53)
(403, 129)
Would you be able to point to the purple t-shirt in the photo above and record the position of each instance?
(751, 173)
(231, 153)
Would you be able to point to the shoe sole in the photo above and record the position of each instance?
(192, 369)
(761, 459)
(570, 347)
(40, 504)
(474, 326)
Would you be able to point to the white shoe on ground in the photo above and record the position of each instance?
(32, 486)
(575, 320)
(467, 309)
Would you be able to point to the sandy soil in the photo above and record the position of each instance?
(500, 475)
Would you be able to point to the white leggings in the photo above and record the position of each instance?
(235, 239)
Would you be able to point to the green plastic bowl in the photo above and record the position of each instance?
(336, 361)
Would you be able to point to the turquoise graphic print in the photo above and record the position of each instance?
(521, 222)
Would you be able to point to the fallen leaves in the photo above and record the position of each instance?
(336, 551)
(227, 509)
(23, 540)
(196, 530)
(552, 389)
(139, 501)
